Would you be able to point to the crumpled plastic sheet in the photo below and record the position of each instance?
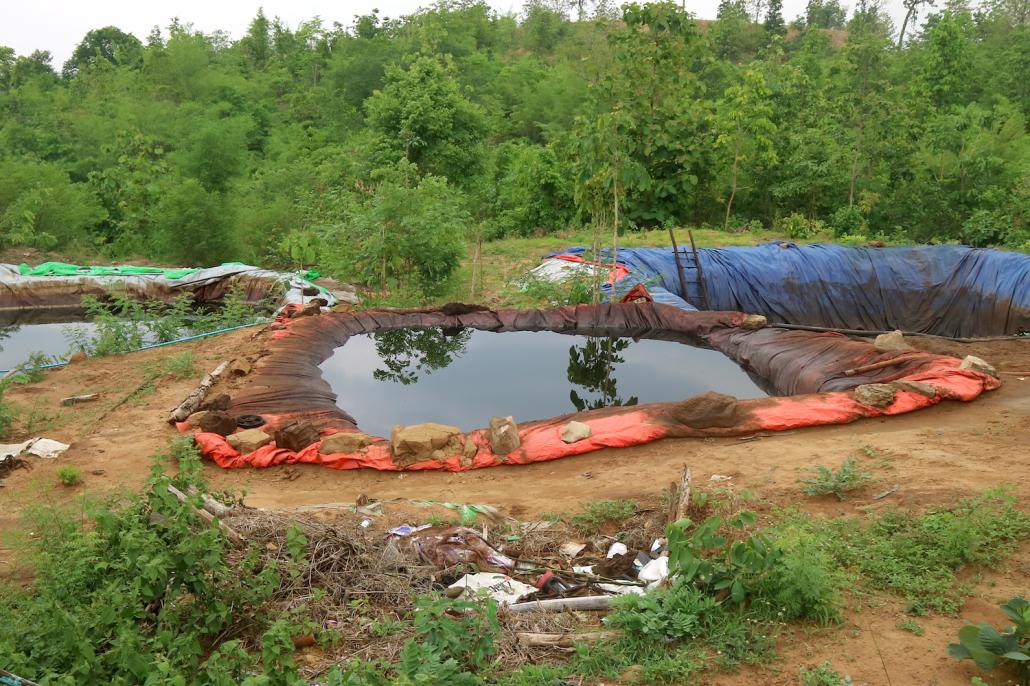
(452, 546)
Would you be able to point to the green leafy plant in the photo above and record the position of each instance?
(823, 675)
(181, 366)
(991, 648)
(911, 626)
(837, 482)
(597, 513)
(69, 475)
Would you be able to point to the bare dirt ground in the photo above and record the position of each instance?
(933, 456)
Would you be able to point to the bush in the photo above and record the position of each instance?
(799, 227)
(848, 220)
(826, 481)
(119, 599)
(69, 475)
(193, 225)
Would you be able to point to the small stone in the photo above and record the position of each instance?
(916, 387)
(345, 442)
(468, 452)
(437, 455)
(312, 309)
(219, 402)
(875, 394)
(893, 341)
(575, 431)
(248, 441)
(504, 436)
(217, 422)
(978, 365)
(296, 436)
(194, 419)
(754, 321)
(78, 357)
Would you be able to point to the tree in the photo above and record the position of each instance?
(774, 23)
(422, 116)
(745, 131)
(193, 225)
(911, 12)
(825, 14)
(948, 63)
(110, 45)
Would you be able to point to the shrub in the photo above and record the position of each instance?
(69, 475)
(848, 220)
(826, 481)
(799, 227)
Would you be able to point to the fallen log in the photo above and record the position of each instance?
(602, 602)
(211, 505)
(76, 399)
(234, 537)
(197, 395)
(531, 639)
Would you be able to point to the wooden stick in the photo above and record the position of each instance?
(196, 396)
(234, 537)
(679, 263)
(900, 359)
(700, 272)
(602, 602)
(531, 639)
(75, 399)
(211, 505)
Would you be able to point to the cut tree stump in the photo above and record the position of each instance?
(679, 497)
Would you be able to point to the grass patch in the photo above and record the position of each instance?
(911, 626)
(69, 475)
(917, 555)
(823, 675)
(837, 482)
(597, 513)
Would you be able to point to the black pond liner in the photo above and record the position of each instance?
(806, 369)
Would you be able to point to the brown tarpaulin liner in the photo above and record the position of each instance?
(805, 367)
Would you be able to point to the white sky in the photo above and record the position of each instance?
(59, 25)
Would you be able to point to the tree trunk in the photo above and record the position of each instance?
(733, 188)
(904, 24)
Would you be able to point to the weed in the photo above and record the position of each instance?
(868, 451)
(31, 371)
(551, 516)
(911, 626)
(990, 648)
(823, 675)
(386, 627)
(597, 513)
(39, 418)
(837, 482)
(69, 475)
(181, 366)
(917, 556)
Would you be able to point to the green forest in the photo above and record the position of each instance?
(382, 149)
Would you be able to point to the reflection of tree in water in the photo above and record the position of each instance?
(591, 366)
(8, 331)
(406, 352)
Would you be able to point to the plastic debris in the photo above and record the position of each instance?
(571, 549)
(39, 447)
(654, 571)
(617, 549)
(447, 546)
(499, 587)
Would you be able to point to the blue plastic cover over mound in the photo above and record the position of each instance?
(948, 290)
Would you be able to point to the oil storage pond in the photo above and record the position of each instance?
(464, 377)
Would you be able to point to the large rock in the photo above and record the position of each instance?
(504, 436)
(709, 410)
(890, 342)
(216, 422)
(754, 321)
(876, 394)
(345, 442)
(916, 387)
(978, 365)
(417, 442)
(220, 402)
(575, 431)
(248, 441)
(296, 436)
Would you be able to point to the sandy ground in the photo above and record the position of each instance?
(933, 456)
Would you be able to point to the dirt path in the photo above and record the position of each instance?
(933, 456)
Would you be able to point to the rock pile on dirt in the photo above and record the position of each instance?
(417, 442)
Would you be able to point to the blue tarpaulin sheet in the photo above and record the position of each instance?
(947, 290)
